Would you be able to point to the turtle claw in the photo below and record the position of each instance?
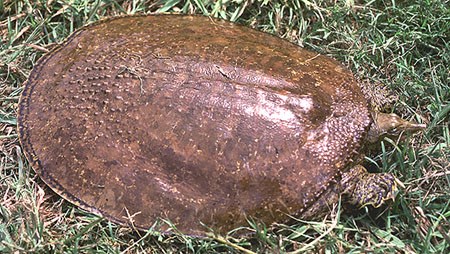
(376, 189)
(364, 188)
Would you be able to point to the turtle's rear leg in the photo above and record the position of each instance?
(363, 188)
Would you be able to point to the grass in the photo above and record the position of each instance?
(401, 45)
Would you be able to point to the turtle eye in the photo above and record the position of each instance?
(395, 130)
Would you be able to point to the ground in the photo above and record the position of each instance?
(399, 48)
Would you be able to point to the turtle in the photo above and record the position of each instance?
(201, 122)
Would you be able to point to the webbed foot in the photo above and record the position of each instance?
(364, 188)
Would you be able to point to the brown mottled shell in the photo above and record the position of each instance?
(190, 119)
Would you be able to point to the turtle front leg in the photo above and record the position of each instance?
(364, 188)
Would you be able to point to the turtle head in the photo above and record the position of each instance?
(390, 125)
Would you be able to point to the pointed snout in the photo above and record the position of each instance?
(393, 124)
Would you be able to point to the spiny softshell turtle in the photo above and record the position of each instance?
(199, 121)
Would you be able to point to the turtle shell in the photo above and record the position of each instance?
(196, 120)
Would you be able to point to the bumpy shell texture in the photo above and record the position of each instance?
(190, 119)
